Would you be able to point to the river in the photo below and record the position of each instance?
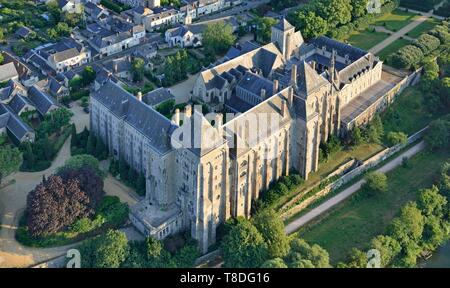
(440, 258)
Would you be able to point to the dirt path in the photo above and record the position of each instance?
(327, 205)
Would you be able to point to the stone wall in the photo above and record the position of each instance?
(368, 164)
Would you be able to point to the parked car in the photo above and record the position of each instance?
(86, 109)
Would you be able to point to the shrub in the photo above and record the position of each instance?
(407, 56)
(375, 182)
(427, 43)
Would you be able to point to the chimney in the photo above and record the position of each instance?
(263, 94)
(218, 122)
(276, 85)
(294, 75)
(283, 107)
(313, 64)
(177, 117)
(188, 111)
(115, 67)
(139, 96)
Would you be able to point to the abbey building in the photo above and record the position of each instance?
(285, 99)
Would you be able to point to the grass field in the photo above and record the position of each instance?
(396, 20)
(423, 28)
(408, 113)
(383, 54)
(357, 220)
(366, 39)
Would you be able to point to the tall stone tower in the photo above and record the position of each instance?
(153, 3)
(283, 36)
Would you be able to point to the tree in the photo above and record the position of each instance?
(427, 43)
(335, 12)
(140, 185)
(389, 248)
(271, 227)
(438, 134)
(376, 182)
(264, 28)
(408, 227)
(186, 256)
(105, 251)
(89, 182)
(358, 259)
(1, 58)
(157, 256)
(54, 205)
(101, 151)
(10, 160)
(274, 263)
(243, 246)
(406, 57)
(137, 69)
(79, 161)
(88, 75)
(218, 38)
(55, 121)
(74, 137)
(310, 24)
(396, 138)
(359, 8)
(431, 202)
(375, 130)
(91, 145)
(356, 137)
(301, 250)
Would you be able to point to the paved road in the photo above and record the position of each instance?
(327, 205)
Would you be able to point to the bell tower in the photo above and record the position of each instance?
(283, 36)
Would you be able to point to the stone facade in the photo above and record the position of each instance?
(289, 97)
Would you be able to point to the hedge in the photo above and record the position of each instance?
(427, 43)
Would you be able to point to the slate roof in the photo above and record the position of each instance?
(157, 96)
(18, 103)
(8, 71)
(308, 80)
(54, 86)
(23, 32)
(342, 49)
(154, 126)
(13, 123)
(254, 84)
(41, 100)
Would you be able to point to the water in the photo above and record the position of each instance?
(440, 258)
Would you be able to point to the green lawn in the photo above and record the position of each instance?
(423, 28)
(357, 220)
(383, 54)
(408, 113)
(396, 20)
(366, 39)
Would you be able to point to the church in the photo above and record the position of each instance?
(271, 108)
